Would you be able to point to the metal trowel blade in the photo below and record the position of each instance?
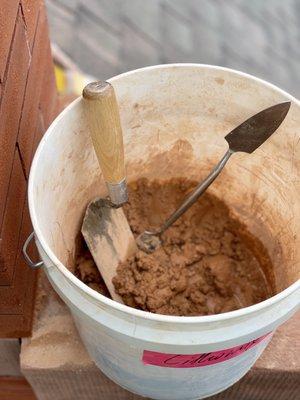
(109, 239)
(253, 132)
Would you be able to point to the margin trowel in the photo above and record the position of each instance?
(105, 227)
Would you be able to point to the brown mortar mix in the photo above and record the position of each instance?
(208, 263)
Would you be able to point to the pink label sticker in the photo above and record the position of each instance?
(197, 360)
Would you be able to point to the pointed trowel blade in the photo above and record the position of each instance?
(252, 133)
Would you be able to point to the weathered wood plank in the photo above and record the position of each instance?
(12, 388)
(10, 357)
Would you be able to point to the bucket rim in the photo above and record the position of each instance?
(107, 301)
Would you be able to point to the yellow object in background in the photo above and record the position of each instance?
(60, 78)
(70, 81)
(69, 78)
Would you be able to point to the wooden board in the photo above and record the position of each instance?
(12, 388)
(10, 357)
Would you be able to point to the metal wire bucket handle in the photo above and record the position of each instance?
(31, 264)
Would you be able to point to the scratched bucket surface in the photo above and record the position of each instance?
(171, 112)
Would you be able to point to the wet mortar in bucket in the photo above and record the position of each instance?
(208, 263)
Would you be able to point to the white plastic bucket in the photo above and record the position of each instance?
(181, 109)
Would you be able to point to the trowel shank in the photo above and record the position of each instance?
(200, 189)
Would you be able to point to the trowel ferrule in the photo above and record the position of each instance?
(118, 192)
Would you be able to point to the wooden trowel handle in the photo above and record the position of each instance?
(102, 113)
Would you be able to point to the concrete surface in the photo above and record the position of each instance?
(57, 366)
(106, 37)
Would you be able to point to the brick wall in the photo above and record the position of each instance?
(28, 103)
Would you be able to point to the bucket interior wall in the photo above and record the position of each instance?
(174, 120)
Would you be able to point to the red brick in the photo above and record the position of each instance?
(12, 325)
(39, 133)
(31, 10)
(49, 98)
(11, 300)
(17, 299)
(11, 107)
(26, 277)
(29, 118)
(8, 15)
(9, 237)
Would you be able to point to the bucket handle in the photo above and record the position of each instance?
(30, 263)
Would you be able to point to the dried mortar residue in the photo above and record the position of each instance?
(208, 262)
(54, 342)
